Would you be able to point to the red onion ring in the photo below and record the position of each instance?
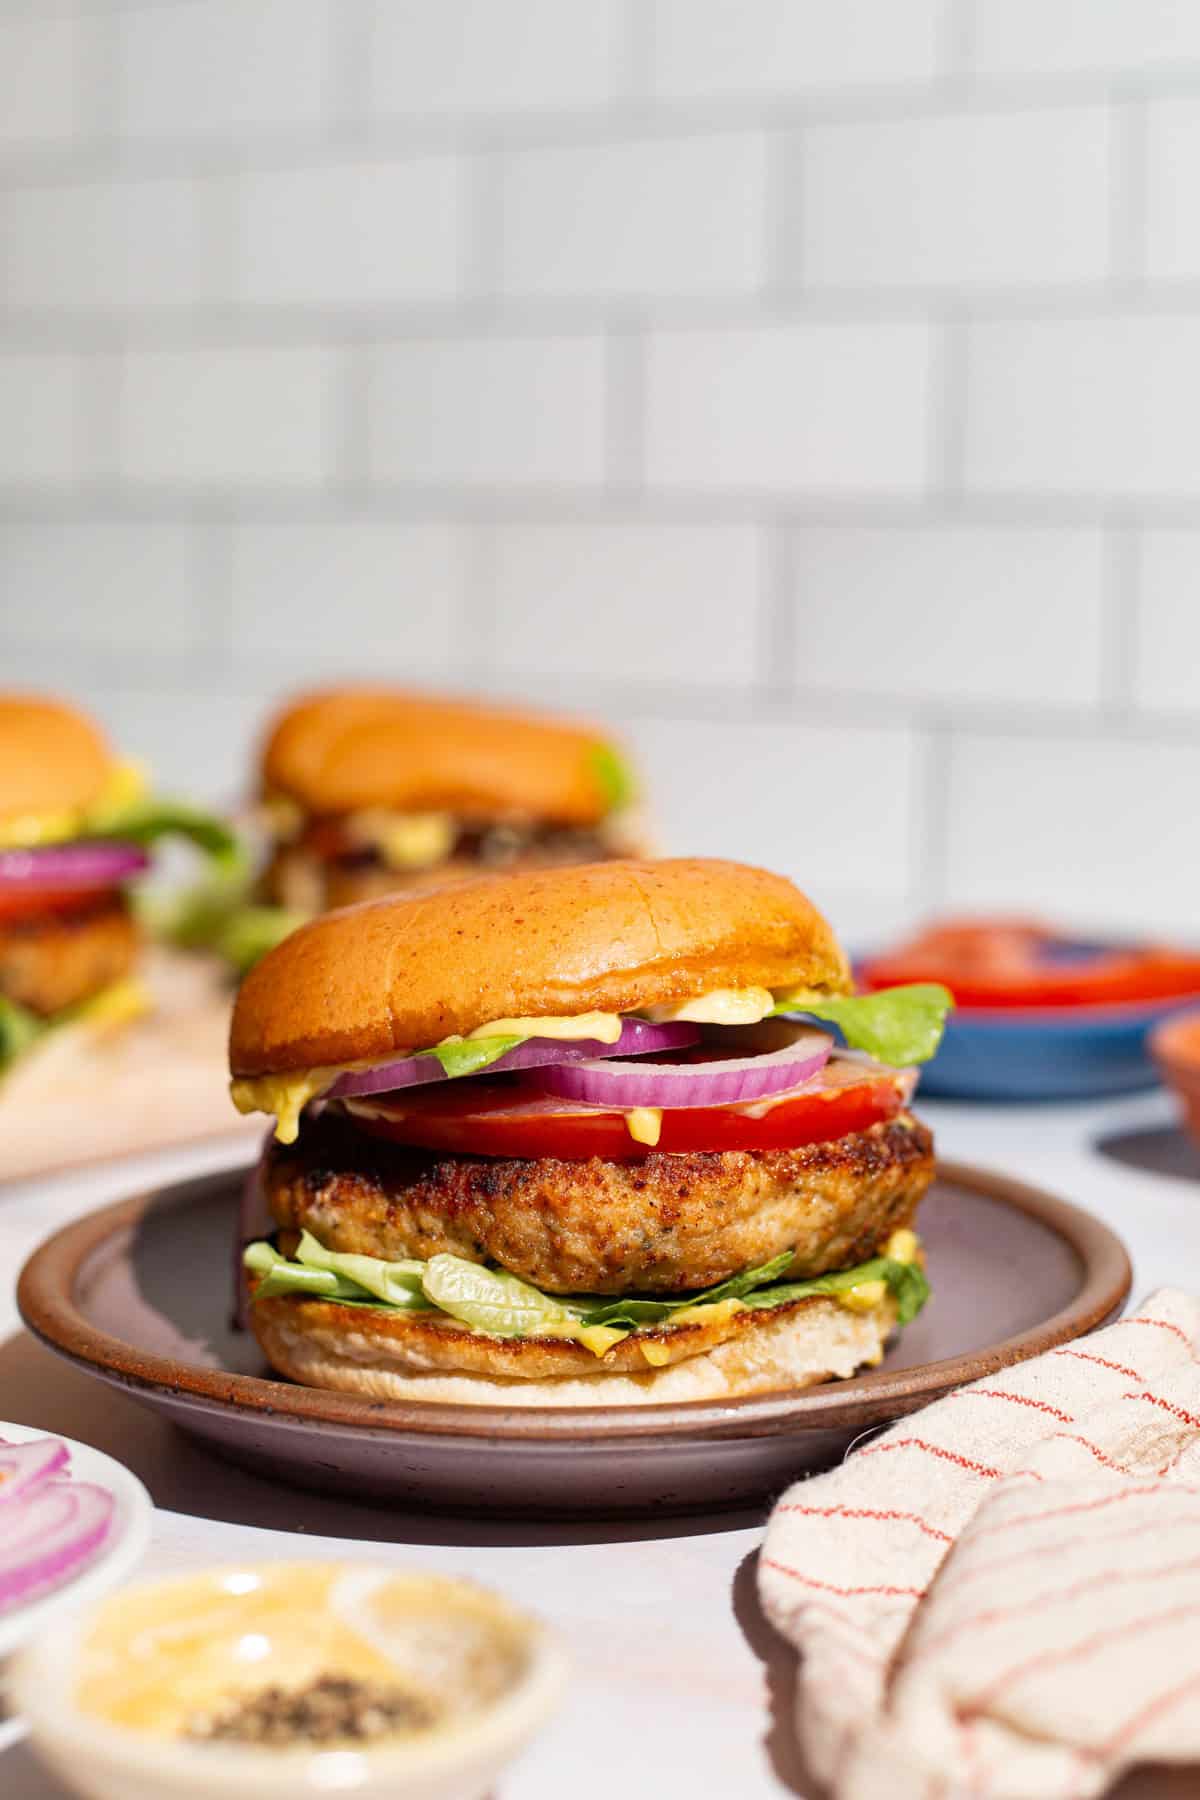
(47, 1532)
(23, 1466)
(76, 865)
(638, 1038)
(727, 1082)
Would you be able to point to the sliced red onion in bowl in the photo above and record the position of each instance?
(638, 1038)
(23, 1466)
(724, 1082)
(48, 1533)
(71, 865)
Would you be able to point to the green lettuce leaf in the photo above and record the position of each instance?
(490, 1300)
(614, 777)
(145, 821)
(908, 1283)
(218, 915)
(395, 1283)
(279, 1276)
(471, 1055)
(898, 1025)
(19, 1028)
(493, 1301)
(248, 932)
(633, 1312)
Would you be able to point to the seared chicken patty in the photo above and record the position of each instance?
(55, 959)
(668, 1223)
(300, 876)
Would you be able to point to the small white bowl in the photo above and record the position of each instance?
(123, 1647)
(123, 1548)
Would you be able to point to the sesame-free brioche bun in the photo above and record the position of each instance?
(404, 1356)
(52, 758)
(403, 973)
(348, 749)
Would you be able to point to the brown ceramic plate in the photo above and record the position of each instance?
(138, 1294)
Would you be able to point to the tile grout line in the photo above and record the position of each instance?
(1128, 222)
(660, 116)
(778, 636)
(930, 843)
(1120, 617)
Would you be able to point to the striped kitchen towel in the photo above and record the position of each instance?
(1000, 1596)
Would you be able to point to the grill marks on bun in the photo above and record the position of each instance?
(406, 972)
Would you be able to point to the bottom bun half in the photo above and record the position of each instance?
(385, 1356)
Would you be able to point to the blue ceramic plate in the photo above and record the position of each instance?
(1080, 1053)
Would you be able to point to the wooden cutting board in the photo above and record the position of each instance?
(83, 1097)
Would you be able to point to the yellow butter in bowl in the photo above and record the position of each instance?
(290, 1678)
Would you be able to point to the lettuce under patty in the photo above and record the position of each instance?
(500, 1304)
(899, 1025)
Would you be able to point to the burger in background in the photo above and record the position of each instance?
(577, 1135)
(369, 790)
(76, 825)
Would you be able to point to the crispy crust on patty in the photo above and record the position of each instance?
(393, 1354)
(299, 878)
(669, 1223)
(57, 959)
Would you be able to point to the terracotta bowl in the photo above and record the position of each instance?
(1175, 1045)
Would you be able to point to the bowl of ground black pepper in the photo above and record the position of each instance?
(287, 1679)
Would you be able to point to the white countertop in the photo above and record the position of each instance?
(680, 1687)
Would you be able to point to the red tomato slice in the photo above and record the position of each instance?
(503, 1121)
(1005, 963)
(20, 902)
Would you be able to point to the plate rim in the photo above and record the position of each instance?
(106, 1571)
(45, 1298)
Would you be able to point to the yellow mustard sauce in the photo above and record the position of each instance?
(286, 1095)
(166, 1659)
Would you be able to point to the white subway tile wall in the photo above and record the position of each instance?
(206, 68)
(825, 408)
(41, 407)
(960, 200)
(498, 410)
(346, 596)
(224, 418)
(809, 389)
(467, 58)
(358, 234)
(680, 605)
(664, 216)
(95, 245)
(41, 55)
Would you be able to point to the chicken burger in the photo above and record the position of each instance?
(582, 1135)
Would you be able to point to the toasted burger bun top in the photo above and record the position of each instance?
(403, 973)
(351, 748)
(52, 758)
